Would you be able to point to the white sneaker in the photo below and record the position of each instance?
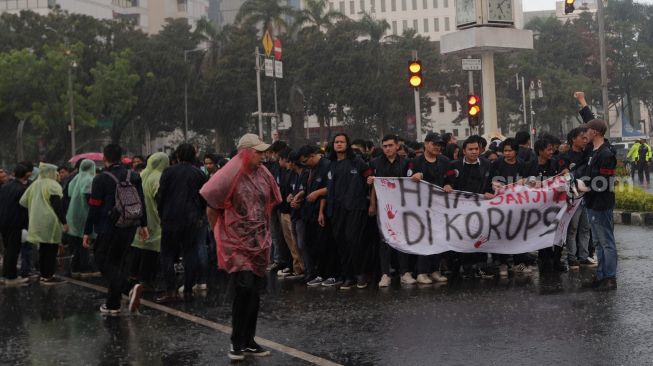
(407, 279)
(135, 298)
(503, 270)
(437, 277)
(18, 281)
(423, 279)
(181, 289)
(201, 287)
(385, 281)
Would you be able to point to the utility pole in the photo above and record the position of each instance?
(604, 66)
(258, 93)
(71, 106)
(418, 113)
(186, 52)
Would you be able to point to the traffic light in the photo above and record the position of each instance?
(415, 74)
(473, 110)
(569, 6)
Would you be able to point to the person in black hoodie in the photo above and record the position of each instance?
(347, 209)
(112, 242)
(13, 219)
(506, 170)
(549, 258)
(182, 211)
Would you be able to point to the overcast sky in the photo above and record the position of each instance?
(530, 5)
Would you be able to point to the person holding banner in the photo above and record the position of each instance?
(390, 164)
(471, 174)
(431, 167)
(346, 209)
(549, 258)
(507, 170)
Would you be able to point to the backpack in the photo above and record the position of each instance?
(128, 209)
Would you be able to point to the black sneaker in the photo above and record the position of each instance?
(347, 285)
(560, 267)
(479, 273)
(588, 263)
(315, 282)
(256, 351)
(109, 312)
(331, 282)
(574, 264)
(607, 284)
(235, 354)
(361, 282)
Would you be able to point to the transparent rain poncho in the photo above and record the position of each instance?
(44, 225)
(244, 200)
(151, 177)
(78, 208)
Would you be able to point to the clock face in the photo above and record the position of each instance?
(500, 10)
(465, 12)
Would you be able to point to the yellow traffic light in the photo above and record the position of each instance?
(415, 74)
(473, 110)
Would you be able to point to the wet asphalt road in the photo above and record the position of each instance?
(532, 320)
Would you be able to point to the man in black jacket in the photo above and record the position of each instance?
(183, 213)
(471, 174)
(431, 167)
(13, 219)
(112, 243)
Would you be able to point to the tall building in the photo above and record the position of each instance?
(148, 15)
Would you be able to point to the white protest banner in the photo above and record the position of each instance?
(420, 218)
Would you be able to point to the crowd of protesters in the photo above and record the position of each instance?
(319, 215)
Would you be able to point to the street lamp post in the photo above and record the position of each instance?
(186, 52)
(71, 101)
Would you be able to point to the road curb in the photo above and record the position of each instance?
(633, 218)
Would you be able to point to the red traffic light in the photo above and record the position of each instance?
(415, 74)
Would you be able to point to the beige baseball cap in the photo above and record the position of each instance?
(251, 141)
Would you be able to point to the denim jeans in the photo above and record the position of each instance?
(299, 232)
(203, 254)
(280, 252)
(603, 237)
(578, 236)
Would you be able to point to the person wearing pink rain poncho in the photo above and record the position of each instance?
(240, 197)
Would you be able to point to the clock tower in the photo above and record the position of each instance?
(486, 27)
(478, 13)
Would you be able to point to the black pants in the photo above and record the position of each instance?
(642, 172)
(181, 241)
(144, 265)
(111, 257)
(406, 261)
(244, 313)
(427, 264)
(81, 255)
(48, 259)
(11, 238)
(348, 229)
(322, 250)
(549, 258)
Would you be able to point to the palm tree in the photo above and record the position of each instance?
(317, 16)
(212, 38)
(269, 14)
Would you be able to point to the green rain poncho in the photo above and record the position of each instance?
(150, 178)
(78, 188)
(44, 225)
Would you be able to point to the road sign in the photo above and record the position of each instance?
(269, 67)
(277, 49)
(472, 64)
(267, 43)
(278, 69)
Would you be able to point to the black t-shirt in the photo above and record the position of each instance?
(285, 179)
(382, 167)
(511, 172)
(347, 186)
(298, 184)
(317, 179)
(547, 170)
(601, 170)
(434, 172)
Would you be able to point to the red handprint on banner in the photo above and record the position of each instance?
(391, 214)
(389, 184)
(482, 240)
(391, 232)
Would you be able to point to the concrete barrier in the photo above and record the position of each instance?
(632, 218)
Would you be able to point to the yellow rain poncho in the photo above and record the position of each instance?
(78, 188)
(150, 177)
(44, 225)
